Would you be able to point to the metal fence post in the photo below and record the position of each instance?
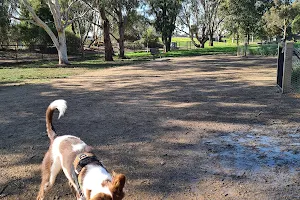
(280, 61)
(287, 67)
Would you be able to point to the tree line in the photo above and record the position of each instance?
(59, 22)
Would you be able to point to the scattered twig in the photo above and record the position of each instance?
(1, 192)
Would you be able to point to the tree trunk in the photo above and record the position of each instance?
(248, 38)
(107, 42)
(284, 31)
(122, 39)
(81, 39)
(194, 43)
(168, 43)
(62, 49)
(211, 40)
(164, 40)
(59, 41)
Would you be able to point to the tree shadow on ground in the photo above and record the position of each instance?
(147, 123)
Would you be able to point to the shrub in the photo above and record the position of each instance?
(136, 45)
(73, 43)
(151, 39)
(265, 50)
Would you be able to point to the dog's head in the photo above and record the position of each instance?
(115, 186)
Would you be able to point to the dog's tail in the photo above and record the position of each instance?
(61, 106)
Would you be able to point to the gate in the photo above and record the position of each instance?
(284, 66)
(280, 62)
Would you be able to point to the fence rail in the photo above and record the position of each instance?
(11, 53)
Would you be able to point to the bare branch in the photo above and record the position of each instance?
(68, 9)
(74, 19)
(114, 37)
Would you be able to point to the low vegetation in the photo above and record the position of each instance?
(44, 71)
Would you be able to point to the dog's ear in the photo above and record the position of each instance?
(119, 181)
(117, 185)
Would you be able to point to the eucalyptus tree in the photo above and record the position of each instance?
(121, 11)
(4, 21)
(102, 6)
(26, 29)
(244, 16)
(281, 18)
(200, 19)
(62, 17)
(165, 13)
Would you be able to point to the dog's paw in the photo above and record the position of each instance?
(46, 186)
(81, 198)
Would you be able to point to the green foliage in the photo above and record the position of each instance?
(244, 15)
(4, 22)
(73, 43)
(264, 50)
(279, 18)
(135, 45)
(165, 17)
(150, 38)
(30, 34)
(296, 24)
(135, 26)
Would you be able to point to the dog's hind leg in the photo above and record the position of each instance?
(46, 165)
(50, 169)
(55, 169)
(68, 171)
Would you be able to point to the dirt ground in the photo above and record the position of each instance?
(197, 128)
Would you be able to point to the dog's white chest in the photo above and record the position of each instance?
(94, 178)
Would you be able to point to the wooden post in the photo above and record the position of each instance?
(287, 67)
(16, 50)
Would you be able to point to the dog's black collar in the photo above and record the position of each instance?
(85, 159)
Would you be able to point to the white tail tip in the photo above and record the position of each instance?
(60, 105)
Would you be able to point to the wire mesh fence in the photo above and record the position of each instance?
(12, 53)
(24, 52)
(295, 79)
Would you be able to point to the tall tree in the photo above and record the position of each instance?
(4, 21)
(61, 15)
(121, 11)
(245, 14)
(280, 17)
(165, 13)
(106, 33)
(200, 19)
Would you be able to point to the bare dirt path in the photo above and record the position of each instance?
(209, 127)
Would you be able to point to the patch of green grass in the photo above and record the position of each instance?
(203, 51)
(36, 74)
(44, 71)
(189, 52)
(185, 42)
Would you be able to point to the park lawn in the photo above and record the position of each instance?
(187, 52)
(36, 74)
(184, 40)
(44, 71)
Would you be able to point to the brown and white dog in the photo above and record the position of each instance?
(89, 177)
